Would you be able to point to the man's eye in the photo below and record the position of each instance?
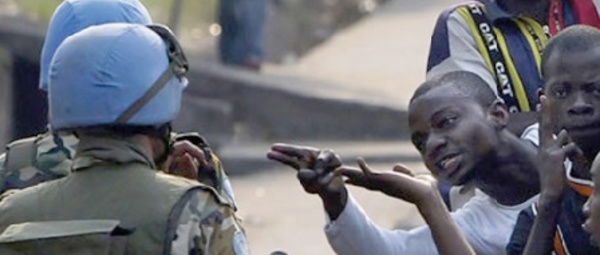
(596, 89)
(447, 122)
(559, 92)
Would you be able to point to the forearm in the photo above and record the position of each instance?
(354, 233)
(446, 234)
(542, 235)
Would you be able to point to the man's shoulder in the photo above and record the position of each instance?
(220, 229)
(194, 191)
(36, 159)
(485, 206)
(22, 202)
(204, 204)
(454, 9)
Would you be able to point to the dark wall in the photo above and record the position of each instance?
(5, 97)
(29, 106)
(22, 40)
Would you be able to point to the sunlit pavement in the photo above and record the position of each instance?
(278, 215)
(383, 56)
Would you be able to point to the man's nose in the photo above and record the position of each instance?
(581, 107)
(434, 144)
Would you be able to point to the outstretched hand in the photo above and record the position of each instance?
(400, 183)
(315, 171)
(314, 167)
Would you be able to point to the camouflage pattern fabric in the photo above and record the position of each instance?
(202, 222)
(208, 227)
(220, 180)
(53, 161)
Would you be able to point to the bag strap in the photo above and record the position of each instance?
(490, 47)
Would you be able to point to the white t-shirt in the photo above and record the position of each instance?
(486, 224)
(459, 197)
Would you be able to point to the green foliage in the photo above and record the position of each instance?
(193, 13)
(40, 9)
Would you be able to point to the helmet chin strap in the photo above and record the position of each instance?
(151, 93)
(164, 136)
(178, 66)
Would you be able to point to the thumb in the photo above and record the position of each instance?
(400, 168)
(363, 166)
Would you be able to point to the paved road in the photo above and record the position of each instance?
(382, 57)
(279, 215)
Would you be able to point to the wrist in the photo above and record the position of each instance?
(334, 202)
(430, 203)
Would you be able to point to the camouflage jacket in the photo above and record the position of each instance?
(48, 157)
(203, 222)
(207, 228)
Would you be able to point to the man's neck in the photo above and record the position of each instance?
(510, 176)
(536, 9)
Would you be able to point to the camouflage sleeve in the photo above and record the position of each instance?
(51, 160)
(208, 227)
(223, 184)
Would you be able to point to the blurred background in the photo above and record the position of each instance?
(326, 73)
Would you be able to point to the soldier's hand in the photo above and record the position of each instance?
(400, 183)
(186, 160)
(552, 155)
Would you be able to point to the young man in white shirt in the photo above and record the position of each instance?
(459, 127)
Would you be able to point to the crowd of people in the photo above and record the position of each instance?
(507, 122)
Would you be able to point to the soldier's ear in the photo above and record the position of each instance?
(498, 114)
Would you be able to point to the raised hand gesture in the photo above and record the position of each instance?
(420, 190)
(400, 183)
(552, 154)
(315, 171)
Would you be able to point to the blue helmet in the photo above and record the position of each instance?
(72, 16)
(116, 74)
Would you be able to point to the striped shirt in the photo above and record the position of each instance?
(503, 49)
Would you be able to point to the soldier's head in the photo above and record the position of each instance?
(72, 16)
(571, 72)
(124, 79)
(455, 122)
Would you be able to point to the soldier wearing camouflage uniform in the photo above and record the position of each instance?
(118, 87)
(48, 156)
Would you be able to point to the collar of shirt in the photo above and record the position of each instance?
(94, 150)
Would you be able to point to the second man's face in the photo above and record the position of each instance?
(572, 86)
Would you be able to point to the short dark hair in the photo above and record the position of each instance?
(576, 38)
(467, 83)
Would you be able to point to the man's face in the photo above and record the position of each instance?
(572, 86)
(591, 209)
(452, 133)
